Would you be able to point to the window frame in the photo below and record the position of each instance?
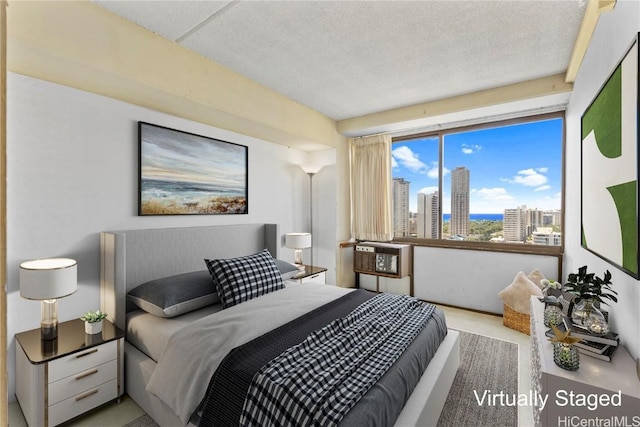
(489, 246)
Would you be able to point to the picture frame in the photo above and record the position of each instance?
(181, 173)
(609, 168)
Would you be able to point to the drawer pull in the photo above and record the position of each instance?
(95, 350)
(86, 394)
(86, 374)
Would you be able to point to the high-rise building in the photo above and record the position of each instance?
(546, 236)
(552, 217)
(459, 223)
(514, 225)
(535, 219)
(412, 224)
(400, 207)
(428, 215)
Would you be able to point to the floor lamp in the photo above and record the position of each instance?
(311, 170)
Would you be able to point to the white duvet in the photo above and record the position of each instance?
(194, 352)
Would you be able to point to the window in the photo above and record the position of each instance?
(499, 183)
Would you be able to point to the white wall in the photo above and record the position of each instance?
(611, 39)
(73, 172)
(473, 278)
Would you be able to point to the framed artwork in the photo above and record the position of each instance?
(609, 131)
(185, 174)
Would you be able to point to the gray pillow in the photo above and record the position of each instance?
(175, 295)
(287, 270)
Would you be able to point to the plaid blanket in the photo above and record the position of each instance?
(318, 381)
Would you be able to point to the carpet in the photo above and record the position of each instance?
(486, 364)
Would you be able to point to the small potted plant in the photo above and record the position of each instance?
(590, 291)
(93, 321)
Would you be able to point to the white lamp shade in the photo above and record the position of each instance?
(298, 240)
(44, 279)
(308, 168)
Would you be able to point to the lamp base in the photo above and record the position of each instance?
(49, 319)
(297, 257)
(49, 332)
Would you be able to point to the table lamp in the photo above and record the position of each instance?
(298, 241)
(47, 280)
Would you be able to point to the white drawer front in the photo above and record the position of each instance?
(82, 381)
(82, 360)
(316, 278)
(78, 404)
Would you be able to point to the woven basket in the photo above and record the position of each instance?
(514, 320)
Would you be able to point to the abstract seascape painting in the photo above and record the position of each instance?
(185, 174)
(610, 168)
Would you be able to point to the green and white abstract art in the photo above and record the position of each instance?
(610, 168)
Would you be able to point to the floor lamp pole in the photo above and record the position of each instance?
(311, 174)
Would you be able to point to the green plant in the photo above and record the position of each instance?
(588, 286)
(93, 316)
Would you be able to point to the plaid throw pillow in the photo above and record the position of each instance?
(241, 279)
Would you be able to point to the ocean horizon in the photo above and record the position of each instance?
(479, 217)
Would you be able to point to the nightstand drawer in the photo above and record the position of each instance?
(315, 278)
(82, 402)
(82, 360)
(82, 381)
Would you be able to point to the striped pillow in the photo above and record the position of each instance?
(244, 278)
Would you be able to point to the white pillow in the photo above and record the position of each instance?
(536, 276)
(518, 294)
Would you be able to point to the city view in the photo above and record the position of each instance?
(499, 185)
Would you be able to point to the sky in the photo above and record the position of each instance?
(509, 166)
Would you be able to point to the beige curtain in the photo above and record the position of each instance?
(371, 210)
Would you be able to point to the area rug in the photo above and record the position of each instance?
(487, 380)
(486, 365)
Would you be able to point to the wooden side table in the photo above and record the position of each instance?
(61, 379)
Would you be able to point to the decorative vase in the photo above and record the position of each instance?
(93, 328)
(566, 356)
(585, 314)
(552, 316)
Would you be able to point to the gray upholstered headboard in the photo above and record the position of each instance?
(132, 257)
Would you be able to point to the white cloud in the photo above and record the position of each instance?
(407, 158)
(542, 188)
(498, 195)
(529, 177)
(428, 190)
(547, 202)
(432, 172)
(490, 200)
(470, 149)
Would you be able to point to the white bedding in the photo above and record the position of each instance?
(189, 359)
(150, 334)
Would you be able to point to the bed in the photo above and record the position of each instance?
(153, 344)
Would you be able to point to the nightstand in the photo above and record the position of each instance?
(61, 379)
(311, 274)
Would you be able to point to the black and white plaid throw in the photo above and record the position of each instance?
(316, 382)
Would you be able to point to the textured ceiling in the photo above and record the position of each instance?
(351, 58)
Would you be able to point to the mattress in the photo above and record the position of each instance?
(150, 334)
